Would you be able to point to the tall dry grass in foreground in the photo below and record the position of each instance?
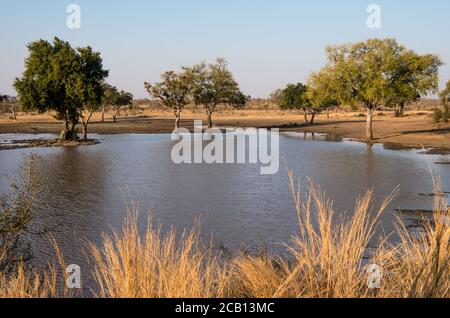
(328, 258)
(27, 283)
(154, 264)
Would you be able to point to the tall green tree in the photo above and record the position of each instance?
(381, 72)
(445, 99)
(173, 91)
(294, 96)
(321, 94)
(56, 78)
(93, 85)
(213, 85)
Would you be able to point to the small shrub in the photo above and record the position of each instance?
(438, 115)
(446, 113)
(17, 211)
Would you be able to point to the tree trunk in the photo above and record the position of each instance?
(85, 123)
(328, 114)
(210, 123)
(72, 132)
(64, 132)
(84, 127)
(369, 128)
(115, 116)
(13, 110)
(177, 120)
(103, 114)
(446, 113)
(313, 116)
(306, 115)
(400, 111)
(69, 131)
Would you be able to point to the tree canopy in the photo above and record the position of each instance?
(445, 94)
(173, 90)
(321, 94)
(62, 79)
(380, 72)
(115, 98)
(445, 99)
(293, 96)
(213, 85)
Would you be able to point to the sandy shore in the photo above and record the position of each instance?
(415, 130)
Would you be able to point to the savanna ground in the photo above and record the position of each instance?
(415, 129)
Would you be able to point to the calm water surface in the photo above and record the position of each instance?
(88, 188)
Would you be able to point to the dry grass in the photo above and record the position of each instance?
(26, 283)
(154, 265)
(327, 254)
(328, 258)
(419, 267)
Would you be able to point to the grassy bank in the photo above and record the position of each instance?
(328, 258)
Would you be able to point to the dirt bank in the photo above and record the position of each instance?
(415, 130)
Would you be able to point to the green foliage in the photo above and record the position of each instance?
(60, 78)
(379, 72)
(321, 92)
(93, 77)
(294, 96)
(113, 97)
(173, 91)
(445, 99)
(318, 96)
(213, 85)
(445, 94)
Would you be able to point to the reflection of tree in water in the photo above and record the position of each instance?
(74, 182)
(312, 136)
(370, 166)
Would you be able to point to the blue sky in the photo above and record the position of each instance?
(268, 43)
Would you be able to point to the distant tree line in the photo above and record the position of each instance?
(371, 74)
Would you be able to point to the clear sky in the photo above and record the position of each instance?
(268, 43)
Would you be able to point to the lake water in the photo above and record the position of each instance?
(88, 188)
